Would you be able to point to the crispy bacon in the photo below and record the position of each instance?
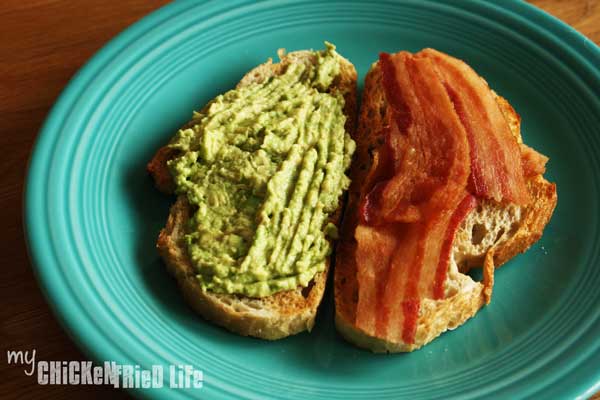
(446, 144)
(463, 209)
(407, 215)
(496, 171)
(375, 248)
(420, 139)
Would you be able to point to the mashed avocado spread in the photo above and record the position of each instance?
(263, 167)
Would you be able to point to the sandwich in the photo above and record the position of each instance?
(441, 183)
(259, 173)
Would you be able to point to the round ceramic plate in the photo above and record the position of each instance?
(93, 214)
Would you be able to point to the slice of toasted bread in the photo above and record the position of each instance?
(490, 235)
(273, 317)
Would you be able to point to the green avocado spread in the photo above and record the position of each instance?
(263, 168)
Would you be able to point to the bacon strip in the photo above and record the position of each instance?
(406, 217)
(463, 209)
(421, 141)
(496, 171)
(375, 248)
(392, 292)
(447, 137)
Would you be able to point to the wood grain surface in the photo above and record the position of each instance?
(42, 44)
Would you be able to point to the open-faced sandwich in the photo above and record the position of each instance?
(259, 173)
(441, 183)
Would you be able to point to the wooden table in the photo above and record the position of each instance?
(42, 44)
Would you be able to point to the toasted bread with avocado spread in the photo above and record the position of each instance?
(259, 174)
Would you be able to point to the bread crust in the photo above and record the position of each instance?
(273, 317)
(435, 317)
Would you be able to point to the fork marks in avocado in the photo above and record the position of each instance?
(263, 168)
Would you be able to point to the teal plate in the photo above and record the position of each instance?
(93, 215)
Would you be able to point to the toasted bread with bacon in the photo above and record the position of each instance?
(487, 227)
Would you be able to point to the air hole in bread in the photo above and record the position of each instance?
(307, 289)
(254, 305)
(226, 300)
(478, 233)
(499, 235)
